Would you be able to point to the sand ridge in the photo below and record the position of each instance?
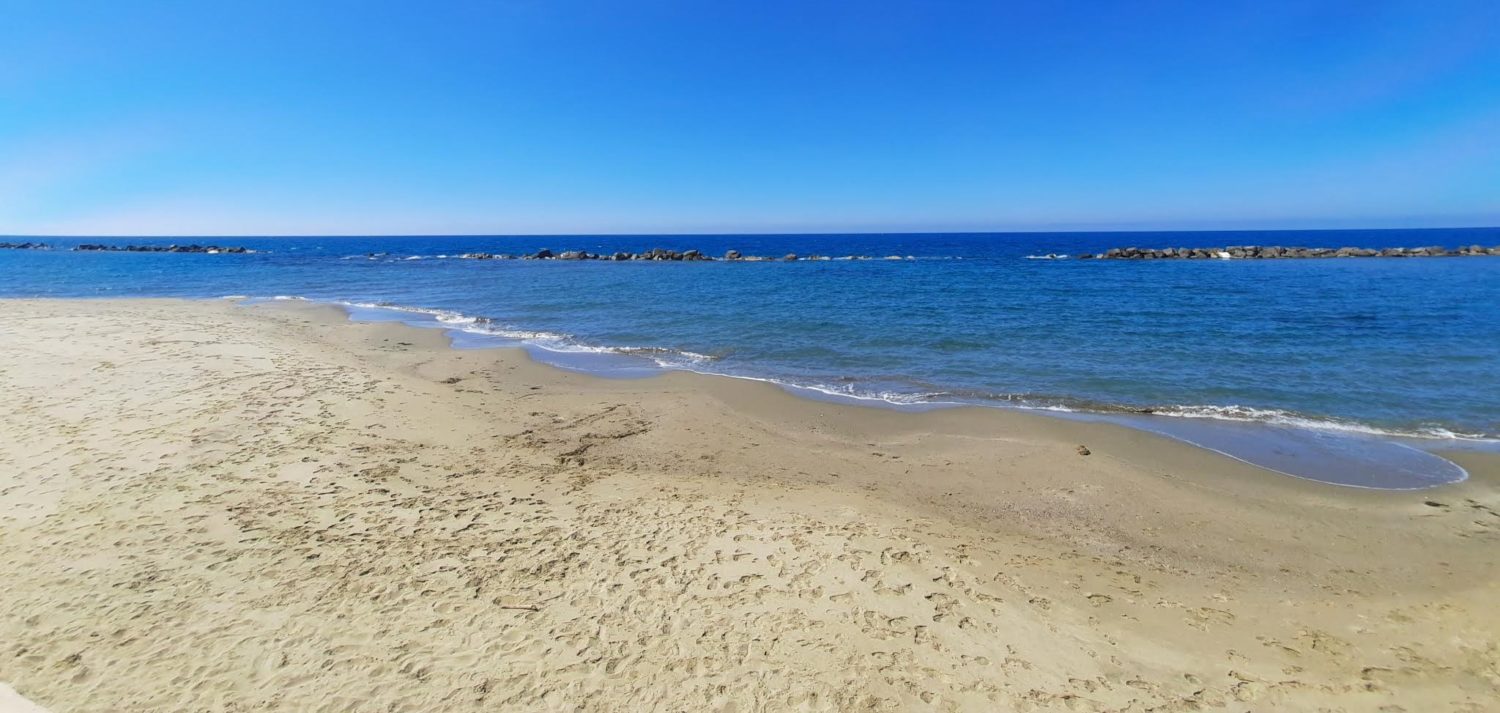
(215, 507)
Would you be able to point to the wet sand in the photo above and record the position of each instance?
(205, 506)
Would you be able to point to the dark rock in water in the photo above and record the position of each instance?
(543, 254)
(732, 255)
(23, 246)
(623, 256)
(194, 248)
(1271, 252)
(572, 255)
(790, 257)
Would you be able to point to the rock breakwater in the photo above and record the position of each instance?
(99, 247)
(654, 255)
(209, 249)
(1277, 252)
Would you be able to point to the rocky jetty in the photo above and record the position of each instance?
(1277, 252)
(208, 249)
(99, 247)
(655, 255)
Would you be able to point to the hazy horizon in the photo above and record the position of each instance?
(746, 233)
(1332, 225)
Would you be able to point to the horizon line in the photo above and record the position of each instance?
(729, 234)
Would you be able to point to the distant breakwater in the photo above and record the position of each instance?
(96, 247)
(656, 255)
(1233, 252)
(1277, 252)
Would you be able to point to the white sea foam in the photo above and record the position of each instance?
(665, 357)
(1279, 417)
(1050, 407)
(655, 352)
(896, 398)
(440, 315)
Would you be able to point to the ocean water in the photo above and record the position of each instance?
(1345, 367)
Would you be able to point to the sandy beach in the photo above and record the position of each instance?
(213, 507)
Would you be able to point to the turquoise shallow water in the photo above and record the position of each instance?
(1357, 356)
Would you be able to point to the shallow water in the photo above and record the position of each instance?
(1311, 355)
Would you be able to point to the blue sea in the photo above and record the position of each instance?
(1345, 370)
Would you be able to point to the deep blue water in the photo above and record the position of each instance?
(1389, 346)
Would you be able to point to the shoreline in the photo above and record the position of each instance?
(1039, 347)
(274, 506)
(1324, 450)
(522, 338)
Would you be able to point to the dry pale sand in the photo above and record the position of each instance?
(211, 507)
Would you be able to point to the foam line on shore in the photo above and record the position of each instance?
(1461, 473)
(937, 397)
(1342, 449)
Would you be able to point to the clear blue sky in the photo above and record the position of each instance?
(553, 116)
